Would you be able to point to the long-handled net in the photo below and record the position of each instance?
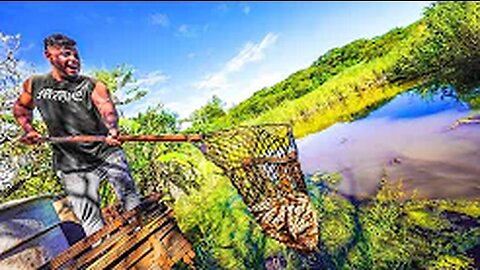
(262, 163)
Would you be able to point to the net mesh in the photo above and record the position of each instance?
(262, 164)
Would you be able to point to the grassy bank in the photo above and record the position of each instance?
(388, 231)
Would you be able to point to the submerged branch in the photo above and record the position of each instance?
(471, 119)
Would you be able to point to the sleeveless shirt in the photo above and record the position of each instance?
(67, 109)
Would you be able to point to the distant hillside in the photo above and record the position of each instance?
(267, 104)
(324, 68)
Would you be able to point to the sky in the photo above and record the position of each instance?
(183, 53)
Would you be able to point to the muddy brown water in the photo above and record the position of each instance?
(409, 139)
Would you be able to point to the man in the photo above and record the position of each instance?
(73, 104)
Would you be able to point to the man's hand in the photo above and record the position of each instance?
(31, 137)
(112, 138)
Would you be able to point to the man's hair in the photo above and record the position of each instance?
(58, 40)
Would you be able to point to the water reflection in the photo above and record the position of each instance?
(410, 138)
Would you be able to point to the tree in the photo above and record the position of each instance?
(24, 171)
(203, 119)
(120, 78)
(10, 80)
(448, 51)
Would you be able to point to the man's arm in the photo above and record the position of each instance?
(23, 113)
(103, 102)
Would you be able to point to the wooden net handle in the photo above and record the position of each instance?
(128, 138)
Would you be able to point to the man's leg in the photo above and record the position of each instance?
(118, 173)
(82, 191)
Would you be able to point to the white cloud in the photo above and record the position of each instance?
(187, 106)
(151, 79)
(191, 55)
(191, 31)
(251, 52)
(152, 99)
(246, 9)
(183, 105)
(160, 19)
(214, 81)
(184, 28)
(188, 31)
(263, 79)
(239, 90)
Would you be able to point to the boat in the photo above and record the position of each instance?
(43, 233)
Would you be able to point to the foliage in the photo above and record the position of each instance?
(203, 119)
(118, 79)
(451, 262)
(24, 171)
(10, 79)
(33, 174)
(454, 29)
(448, 52)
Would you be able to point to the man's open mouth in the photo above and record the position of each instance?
(72, 67)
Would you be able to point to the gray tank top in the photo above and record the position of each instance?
(67, 109)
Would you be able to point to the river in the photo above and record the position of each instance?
(409, 139)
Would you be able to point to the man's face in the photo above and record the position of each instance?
(64, 59)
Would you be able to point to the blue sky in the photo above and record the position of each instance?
(186, 52)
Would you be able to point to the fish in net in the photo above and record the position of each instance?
(262, 163)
